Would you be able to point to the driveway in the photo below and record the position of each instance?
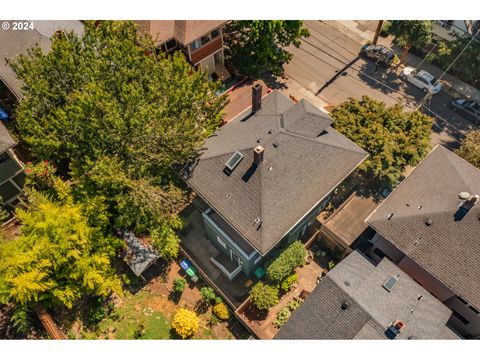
(327, 67)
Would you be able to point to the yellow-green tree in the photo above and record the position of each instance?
(470, 148)
(60, 256)
(185, 323)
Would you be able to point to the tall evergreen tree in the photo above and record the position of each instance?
(61, 255)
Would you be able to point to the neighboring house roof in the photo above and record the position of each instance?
(473, 27)
(304, 160)
(370, 307)
(6, 141)
(449, 247)
(184, 31)
(14, 43)
(138, 256)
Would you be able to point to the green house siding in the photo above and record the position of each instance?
(249, 262)
(227, 246)
(12, 177)
(8, 167)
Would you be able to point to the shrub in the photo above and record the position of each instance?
(288, 282)
(330, 265)
(282, 317)
(294, 304)
(221, 311)
(185, 323)
(179, 285)
(264, 296)
(290, 258)
(40, 176)
(209, 296)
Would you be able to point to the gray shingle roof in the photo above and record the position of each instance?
(448, 249)
(300, 167)
(6, 141)
(321, 316)
(371, 308)
(138, 256)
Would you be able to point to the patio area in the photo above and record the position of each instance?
(200, 251)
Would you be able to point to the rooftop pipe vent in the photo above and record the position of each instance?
(464, 195)
(345, 305)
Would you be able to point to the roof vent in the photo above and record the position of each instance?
(390, 283)
(390, 216)
(345, 305)
(275, 145)
(257, 222)
(464, 195)
(233, 162)
(429, 222)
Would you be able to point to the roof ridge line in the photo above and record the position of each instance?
(315, 140)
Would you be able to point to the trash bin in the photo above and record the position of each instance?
(185, 264)
(259, 272)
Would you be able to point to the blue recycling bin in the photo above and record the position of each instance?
(185, 264)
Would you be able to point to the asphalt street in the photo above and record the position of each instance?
(327, 65)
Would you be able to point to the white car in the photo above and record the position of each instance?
(421, 79)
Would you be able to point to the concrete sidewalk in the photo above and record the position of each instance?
(364, 31)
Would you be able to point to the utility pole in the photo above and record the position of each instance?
(377, 32)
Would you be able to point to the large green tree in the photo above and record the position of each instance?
(410, 33)
(61, 255)
(115, 117)
(464, 56)
(258, 46)
(393, 137)
(470, 148)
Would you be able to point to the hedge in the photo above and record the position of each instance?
(292, 257)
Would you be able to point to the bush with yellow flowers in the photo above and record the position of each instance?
(185, 323)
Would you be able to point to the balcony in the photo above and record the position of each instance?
(206, 50)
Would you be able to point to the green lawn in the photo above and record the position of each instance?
(139, 317)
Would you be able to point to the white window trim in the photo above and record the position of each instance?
(221, 242)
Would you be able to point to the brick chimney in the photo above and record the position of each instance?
(256, 98)
(258, 154)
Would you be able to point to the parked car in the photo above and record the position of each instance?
(379, 53)
(468, 108)
(421, 79)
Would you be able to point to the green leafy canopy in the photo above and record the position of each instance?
(258, 46)
(115, 117)
(393, 138)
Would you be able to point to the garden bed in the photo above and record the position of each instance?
(261, 322)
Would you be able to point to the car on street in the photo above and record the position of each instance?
(378, 53)
(468, 108)
(421, 79)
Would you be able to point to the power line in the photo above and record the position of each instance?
(429, 95)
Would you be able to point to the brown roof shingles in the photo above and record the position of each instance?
(184, 31)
